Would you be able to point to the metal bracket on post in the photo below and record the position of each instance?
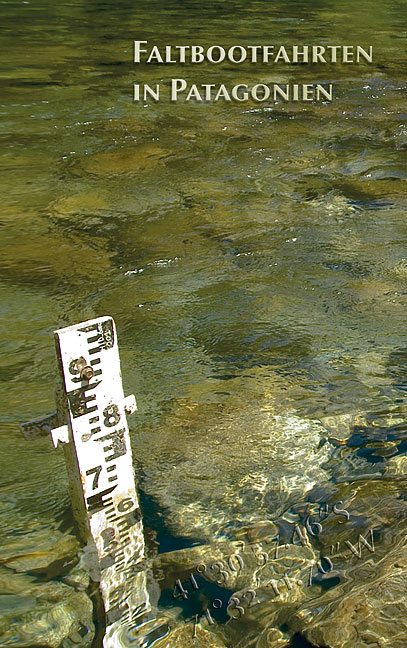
(91, 425)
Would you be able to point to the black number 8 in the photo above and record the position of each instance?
(112, 416)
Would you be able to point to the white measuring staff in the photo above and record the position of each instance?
(91, 412)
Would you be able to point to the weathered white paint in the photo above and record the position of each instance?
(92, 413)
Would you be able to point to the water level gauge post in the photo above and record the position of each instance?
(91, 425)
(99, 461)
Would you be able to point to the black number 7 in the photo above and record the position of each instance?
(97, 472)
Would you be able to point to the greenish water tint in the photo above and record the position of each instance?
(253, 256)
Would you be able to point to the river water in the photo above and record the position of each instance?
(254, 258)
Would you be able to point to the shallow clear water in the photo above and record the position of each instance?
(252, 255)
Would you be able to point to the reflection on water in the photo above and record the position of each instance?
(254, 259)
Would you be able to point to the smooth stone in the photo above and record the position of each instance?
(52, 259)
(142, 158)
(397, 465)
(48, 552)
(256, 474)
(179, 564)
(272, 638)
(183, 637)
(16, 605)
(78, 578)
(372, 613)
(81, 203)
(54, 614)
(238, 567)
(368, 605)
(340, 426)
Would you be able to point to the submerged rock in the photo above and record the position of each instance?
(272, 638)
(371, 613)
(140, 159)
(237, 466)
(363, 602)
(236, 565)
(36, 262)
(189, 637)
(34, 612)
(47, 552)
(354, 599)
(86, 204)
(47, 614)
